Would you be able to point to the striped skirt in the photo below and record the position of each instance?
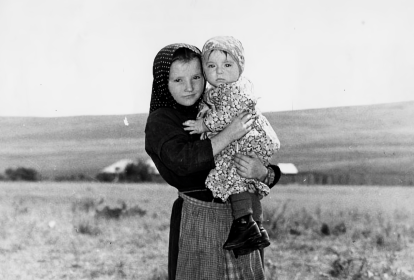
(204, 228)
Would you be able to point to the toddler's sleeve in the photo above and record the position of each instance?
(232, 99)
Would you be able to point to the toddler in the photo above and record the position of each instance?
(227, 95)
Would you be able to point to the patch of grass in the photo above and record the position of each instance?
(135, 211)
(159, 274)
(20, 207)
(135, 246)
(87, 226)
(271, 270)
(353, 240)
(84, 204)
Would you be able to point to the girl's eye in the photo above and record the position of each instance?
(228, 65)
(197, 77)
(177, 80)
(210, 66)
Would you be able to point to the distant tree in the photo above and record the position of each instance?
(138, 172)
(22, 174)
(105, 177)
(74, 177)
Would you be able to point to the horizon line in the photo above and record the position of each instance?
(262, 111)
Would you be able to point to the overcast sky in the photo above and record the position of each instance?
(78, 57)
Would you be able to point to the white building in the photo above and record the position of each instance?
(117, 167)
(288, 168)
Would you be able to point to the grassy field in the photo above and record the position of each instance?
(60, 231)
(374, 139)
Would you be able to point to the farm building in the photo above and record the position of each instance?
(127, 170)
(288, 168)
(289, 173)
(115, 171)
(118, 167)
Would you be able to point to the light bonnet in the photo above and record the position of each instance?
(228, 44)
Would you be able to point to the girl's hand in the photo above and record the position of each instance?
(250, 166)
(240, 125)
(195, 127)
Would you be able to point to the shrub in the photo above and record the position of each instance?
(106, 177)
(139, 171)
(108, 212)
(86, 226)
(74, 178)
(83, 221)
(22, 174)
(135, 211)
(84, 204)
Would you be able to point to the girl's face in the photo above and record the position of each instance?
(186, 82)
(220, 68)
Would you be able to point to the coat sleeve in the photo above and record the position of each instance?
(176, 149)
(278, 174)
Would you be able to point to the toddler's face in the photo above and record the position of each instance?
(220, 68)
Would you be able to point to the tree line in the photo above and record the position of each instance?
(139, 171)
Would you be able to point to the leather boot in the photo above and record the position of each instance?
(242, 231)
(258, 243)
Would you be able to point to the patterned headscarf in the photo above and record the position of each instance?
(229, 44)
(161, 96)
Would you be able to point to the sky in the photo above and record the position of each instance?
(94, 57)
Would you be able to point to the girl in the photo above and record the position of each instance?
(199, 223)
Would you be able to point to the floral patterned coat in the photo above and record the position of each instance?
(218, 108)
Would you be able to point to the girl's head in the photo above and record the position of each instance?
(223, 60)
(186, 80)
(178, 80)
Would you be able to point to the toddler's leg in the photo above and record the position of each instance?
(241, 204)
(243, 228)
(256, 207)
(263, 241)
(258, 243)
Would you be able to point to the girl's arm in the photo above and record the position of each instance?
(166, 140)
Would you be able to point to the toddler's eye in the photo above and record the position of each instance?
(210, 66)
(177, 80)
(228, 65)
(197, 77)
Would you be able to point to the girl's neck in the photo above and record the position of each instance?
(193, 109)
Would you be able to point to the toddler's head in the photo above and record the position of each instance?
(223, 60)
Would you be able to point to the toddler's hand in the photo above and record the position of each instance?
(196, 126)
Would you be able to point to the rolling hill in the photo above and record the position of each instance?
(375, 139)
